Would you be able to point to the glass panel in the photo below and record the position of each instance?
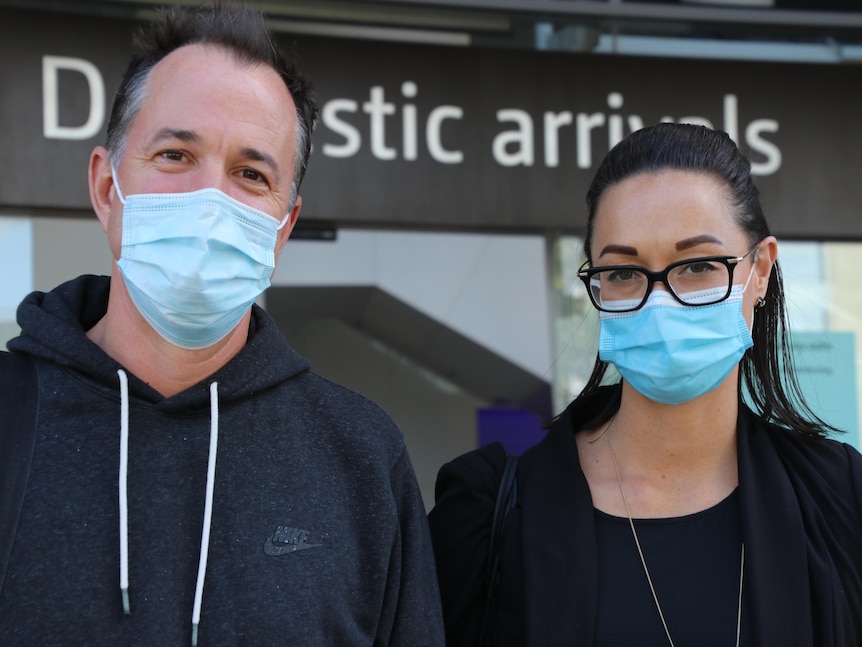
(575, 322)
(16, 268)
(825, 313)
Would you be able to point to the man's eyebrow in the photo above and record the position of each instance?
(181, 134)
(697, 240)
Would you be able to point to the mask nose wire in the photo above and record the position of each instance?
(664, 288)
(122, 198)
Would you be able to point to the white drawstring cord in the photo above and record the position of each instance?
(208, 512)
(124, 489)
(124, 504)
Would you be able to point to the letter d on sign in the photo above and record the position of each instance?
(50, 99)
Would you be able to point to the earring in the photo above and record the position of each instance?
(761, 302)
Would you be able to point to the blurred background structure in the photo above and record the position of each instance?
(434, 267)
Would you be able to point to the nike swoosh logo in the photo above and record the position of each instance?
(271, 549)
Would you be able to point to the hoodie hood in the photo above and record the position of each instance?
(53, 326)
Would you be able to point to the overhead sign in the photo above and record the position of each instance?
(459, 138)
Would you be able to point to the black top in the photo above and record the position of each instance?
(694, 564)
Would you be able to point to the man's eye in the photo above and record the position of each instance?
(175, 156)
(251, 174)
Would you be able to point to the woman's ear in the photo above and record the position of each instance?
(767, 254)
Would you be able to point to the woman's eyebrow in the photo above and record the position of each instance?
(697, 240)
(619, 249)
(680, 246)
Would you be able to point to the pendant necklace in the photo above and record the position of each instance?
(643, 561)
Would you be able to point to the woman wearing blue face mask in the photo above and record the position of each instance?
(696, 501)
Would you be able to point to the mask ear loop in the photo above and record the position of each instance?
(751, 271)
(761, 302)
(117, 185)
(287, 215)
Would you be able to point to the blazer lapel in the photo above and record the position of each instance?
(776, 562)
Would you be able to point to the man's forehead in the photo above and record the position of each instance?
(192, 57)
(196, 74)
(200, 61)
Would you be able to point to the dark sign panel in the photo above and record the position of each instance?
(459, 138)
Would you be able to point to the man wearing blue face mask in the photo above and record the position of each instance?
(173, 472)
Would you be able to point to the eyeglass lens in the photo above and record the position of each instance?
(697, 283)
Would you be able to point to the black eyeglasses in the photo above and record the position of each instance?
(692, 282)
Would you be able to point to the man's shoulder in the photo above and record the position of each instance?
(18, 392)
(340, 407)
(340, 395)
(15, 372)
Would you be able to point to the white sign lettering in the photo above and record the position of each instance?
(51, 100)
(515, 145)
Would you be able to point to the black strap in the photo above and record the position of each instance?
(18, 405)
(506, 496)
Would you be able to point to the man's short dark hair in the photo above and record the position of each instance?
(240, 31)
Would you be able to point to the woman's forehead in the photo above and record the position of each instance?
(667, 207)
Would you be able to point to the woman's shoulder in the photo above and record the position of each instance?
(460, 524)
(835, 448)
(830, 461)
(475, 474)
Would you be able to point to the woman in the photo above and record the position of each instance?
(662, 510)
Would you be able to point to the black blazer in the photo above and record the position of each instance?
(801, 516)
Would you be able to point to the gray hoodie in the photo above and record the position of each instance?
(317, 532)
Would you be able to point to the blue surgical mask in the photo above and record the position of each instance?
(672, 353)
(193, 263)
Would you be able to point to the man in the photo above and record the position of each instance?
(191, 479)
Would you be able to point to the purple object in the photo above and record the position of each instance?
(517, 429)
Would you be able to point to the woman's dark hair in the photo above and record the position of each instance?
(240, 31)
(766, 369)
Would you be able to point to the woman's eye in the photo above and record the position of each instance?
(700, 268)
(621, 275)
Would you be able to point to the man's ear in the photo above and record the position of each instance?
(102, 192)
(284, 232)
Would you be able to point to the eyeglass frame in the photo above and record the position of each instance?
(730, 262)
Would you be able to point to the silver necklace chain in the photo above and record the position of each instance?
(643, 561)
